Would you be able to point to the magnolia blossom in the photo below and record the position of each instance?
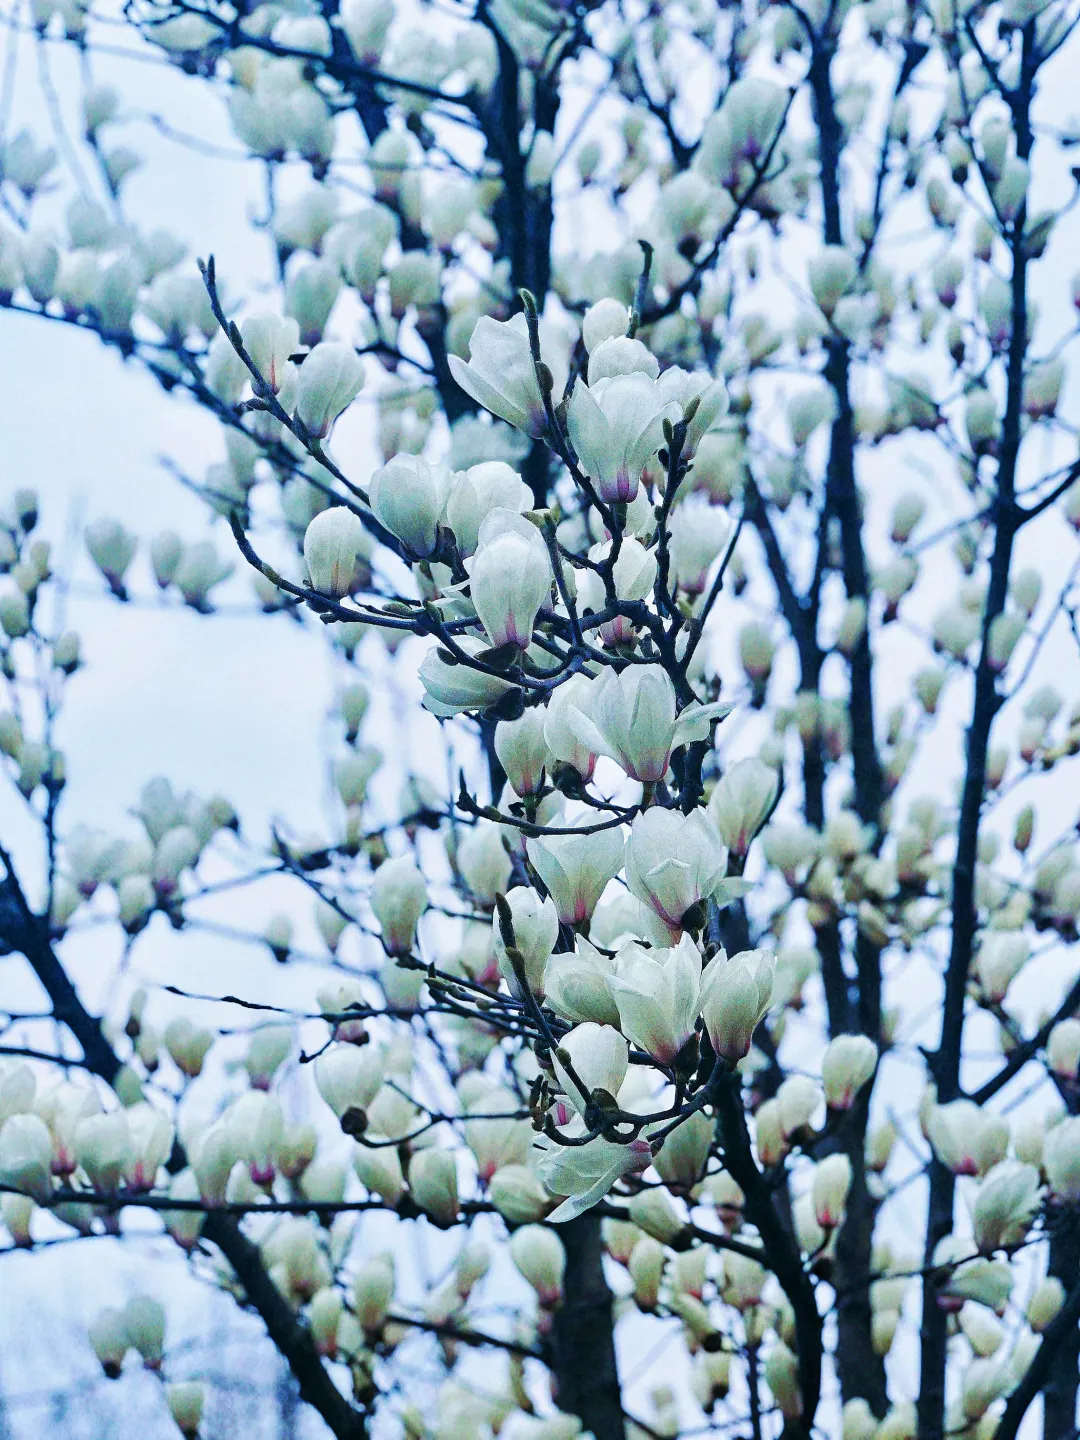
(965, 1138)
(697, 533)
(585, 1173)
(332, 543)
(539, 1256)
(634, 575)
(523, 751)
(329, 380)
(848, 1063)
(616, 427)
(536, 929)
(398, 898)
(501, 374)
(476, 492)
(673, 861)
(26, 1153)
(1061, 1159)
(831, 1183)
(1008, 1198)
(742, 802)
(656, 992)
(735, 995)
(576, 868)
(620, 355)
(559, 729)
(599, 1058)
(407, 496)
(684, 388)
(578, 985)
(632, 717)
(1002, 954)
(510, 578)
(269, 340)
(451, 686)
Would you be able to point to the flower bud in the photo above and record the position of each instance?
(536, 929)
(333, 542)
(187, 1045)
(653, 1212)
(681, 1160)
(26, 1153)
(605, 320)
(112, 549)
(1002, 954)
(742, 801)
(372, 1292)
(781, 1372)
(1061, 1159)
(522, 751)
(186, 1401)
(407, 497)
(269, 340)
(348, 1078)
(646, 1267)
(832, 1181)
(330, 379)
(735, 996)
(1008, 1197)
(144, 1320)
(848, 1063)
(1063, 1049)
(324, 1316)
(1046, 1300)
(379, 1171)
(518, 1195)
(398, 899)
(538, 1254)
(433, 1183)
(108, 1337)
(831, 273)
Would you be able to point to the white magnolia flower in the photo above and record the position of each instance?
(451, 686)
(577, 986)
(632, 718)
(634, 574)
(599, 1057)
(559, 732)
(408, 496)
(675, 860)
(501, 375)
(536, 929)
(685, 386)
(510, 577)
(332, 543)
(585, 1173)
(742, 802)
(657, 995)
(735, 996)
(576, 868)
(616, 427)
(329, 380)
(476, 492)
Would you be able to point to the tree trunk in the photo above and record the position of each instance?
(583, 1335)
(1059, 1397)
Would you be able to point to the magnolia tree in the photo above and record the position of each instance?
(711, 970)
